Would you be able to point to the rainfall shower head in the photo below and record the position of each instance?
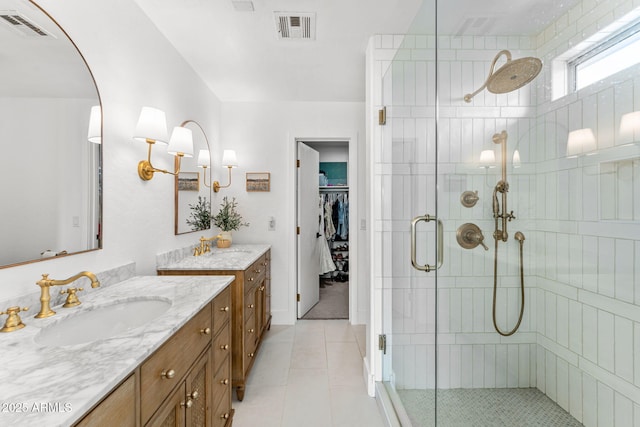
(509, 77)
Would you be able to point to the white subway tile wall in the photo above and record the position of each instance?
(579, 341)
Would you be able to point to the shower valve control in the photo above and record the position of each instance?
(469, 199)
(470, 236)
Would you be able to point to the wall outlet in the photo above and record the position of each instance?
(363, 224)
(272, 223)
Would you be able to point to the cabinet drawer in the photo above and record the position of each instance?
(223, 412)
(221, 309)
(221, 346)
(167, 367)
(254, 273)
(221, 382)
(117, 409)
(249, 304)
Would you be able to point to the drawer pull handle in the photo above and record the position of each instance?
(250, 279)
(224, 416)
(188, 403)
(262, 288)
(250, 354)
(205, 331)
(168, 374)
(224, 381)
(251, 330)
(225, 308)
(264, 263)
(250, 306)
(258, 271)
(224, 347)
(194, 395)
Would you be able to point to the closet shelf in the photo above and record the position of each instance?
(331, 188)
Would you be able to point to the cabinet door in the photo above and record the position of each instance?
(172, 413)
(118, 408)
(199, 392)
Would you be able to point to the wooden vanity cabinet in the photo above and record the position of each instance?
(190, 403)
(250, 313)
(186, 382)
(117, 409)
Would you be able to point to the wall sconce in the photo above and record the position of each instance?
(630, 126)
(516, 159)
(95, 125)
(152, 129)
(581, 141)
(204, 161)
(229, 160)
(488, 159)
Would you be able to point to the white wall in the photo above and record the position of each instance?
(263, 135)
(133, 66)
(588, 239)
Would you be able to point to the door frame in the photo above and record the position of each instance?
(354, 187)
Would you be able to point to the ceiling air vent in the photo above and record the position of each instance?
(296, 26)
(21, 24)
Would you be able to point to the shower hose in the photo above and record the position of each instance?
(495, 288)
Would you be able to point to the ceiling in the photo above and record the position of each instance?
(239, 56)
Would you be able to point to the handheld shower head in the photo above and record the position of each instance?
(510, 76)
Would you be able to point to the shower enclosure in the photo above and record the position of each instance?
(574, 357)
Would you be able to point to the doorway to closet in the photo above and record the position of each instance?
(323, 251)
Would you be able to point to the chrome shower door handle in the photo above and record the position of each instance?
(440, 237)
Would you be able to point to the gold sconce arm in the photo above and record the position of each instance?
(146, 169)
(216, 184)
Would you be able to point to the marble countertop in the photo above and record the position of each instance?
(55, 386)
(237, 257)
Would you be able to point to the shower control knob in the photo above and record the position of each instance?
(470, 236)
(469, 199)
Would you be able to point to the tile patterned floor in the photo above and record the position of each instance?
(512, 407)
(309, 375)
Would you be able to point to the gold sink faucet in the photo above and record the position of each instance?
(204, 247)
(45, 283)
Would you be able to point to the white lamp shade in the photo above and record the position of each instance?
(487, 158)
(204, 159)
(580, 141)
(181, 142)
(95, 121)
(630, 126)
(516, 159)
(229, 159)
(152, 125)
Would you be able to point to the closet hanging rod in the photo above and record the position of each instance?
(333, 189)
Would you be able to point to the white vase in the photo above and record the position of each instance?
(225, 239)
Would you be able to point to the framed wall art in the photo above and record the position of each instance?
(258, 181)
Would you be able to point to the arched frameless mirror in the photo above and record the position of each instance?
(51, 176)
(193, 185)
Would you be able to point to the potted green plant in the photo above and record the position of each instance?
(200, 216)
(227, 220)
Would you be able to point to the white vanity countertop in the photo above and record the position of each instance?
(55, 386)
(237, 257)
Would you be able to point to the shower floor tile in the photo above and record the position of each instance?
(513, 407)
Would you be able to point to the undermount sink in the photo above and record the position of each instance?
(102, 322)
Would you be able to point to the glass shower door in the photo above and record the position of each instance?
(412, 236)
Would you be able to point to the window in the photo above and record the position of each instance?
(619, 51)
